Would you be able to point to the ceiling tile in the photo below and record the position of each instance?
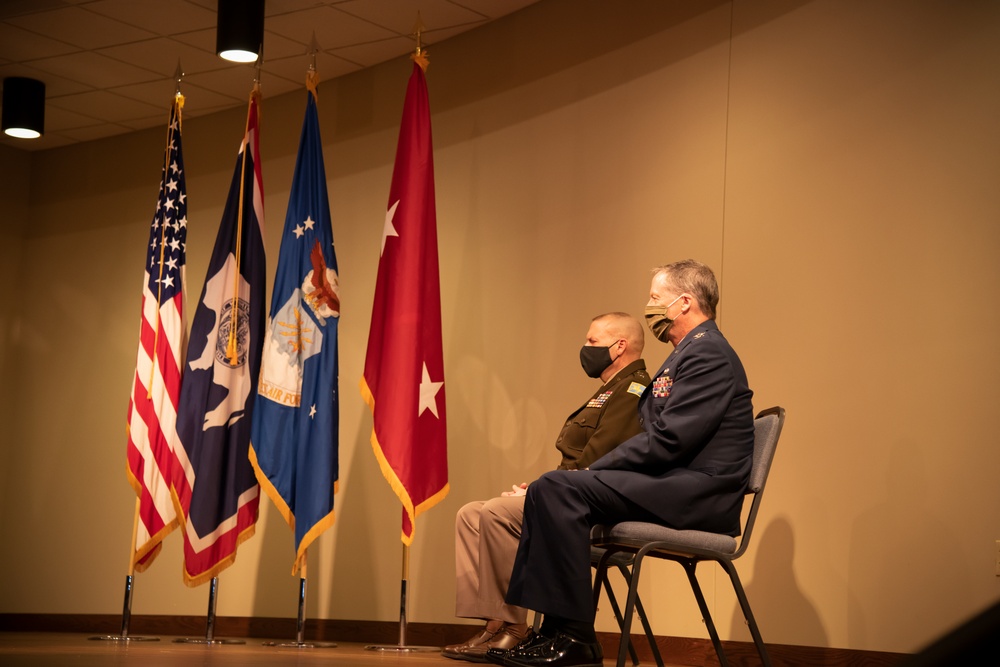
(161, 55)
(80, 27)
(9, 8)
(279, 46)
(333, 28)
(94, 70)
(285, 6)
(494, 9)
(103, 105)
(200, 39)
(109, 65)
(54, 85)
(19, 44)
(163, 17)
(401, 16)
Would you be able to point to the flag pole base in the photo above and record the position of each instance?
(126, 616)
(301, 624)
(301, 644)
(209, 637)
(402, 646)
(403, 649)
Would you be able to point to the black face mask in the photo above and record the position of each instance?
(595, 359)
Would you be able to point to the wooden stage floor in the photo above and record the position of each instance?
(46, 649)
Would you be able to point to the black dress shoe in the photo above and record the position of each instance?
(559, 651)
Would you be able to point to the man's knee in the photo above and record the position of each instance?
(548, 482)
(467, 517)
(503, 510)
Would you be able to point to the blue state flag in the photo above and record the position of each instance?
(294, 443)
(215, 411)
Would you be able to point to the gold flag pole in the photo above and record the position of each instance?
(178, 104)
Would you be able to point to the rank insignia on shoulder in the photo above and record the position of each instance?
(636, 388)
(662, 386)
(699, 335)
(599, 400)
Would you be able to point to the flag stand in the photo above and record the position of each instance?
(124, 636)
(300, 624)
(209, 637)
(402, 646)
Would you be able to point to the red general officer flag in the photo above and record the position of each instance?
(403, 381)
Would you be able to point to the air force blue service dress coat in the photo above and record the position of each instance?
(690, 465)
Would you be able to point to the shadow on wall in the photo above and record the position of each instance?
(362, 531)
(774, 593)
(277, 592)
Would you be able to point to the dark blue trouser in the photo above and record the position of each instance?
(552, 567)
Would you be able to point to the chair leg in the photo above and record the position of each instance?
(601, 579)
(645, 623)
(689, 568)
(601, 575)
(747, 613)
(618, 615)
(633, 595)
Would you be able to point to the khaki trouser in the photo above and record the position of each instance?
(487, 533)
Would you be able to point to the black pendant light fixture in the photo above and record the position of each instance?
(23, 114)
(239, 32)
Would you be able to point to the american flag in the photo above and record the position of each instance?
(153, 445)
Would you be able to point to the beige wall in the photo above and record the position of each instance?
(835, 162)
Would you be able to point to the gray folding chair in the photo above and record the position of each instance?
(690, 547)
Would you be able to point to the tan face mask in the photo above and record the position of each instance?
(658, 322)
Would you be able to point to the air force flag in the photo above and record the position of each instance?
(294, 446)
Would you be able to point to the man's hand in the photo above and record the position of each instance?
(518, 490)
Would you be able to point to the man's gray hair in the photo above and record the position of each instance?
(694, 278)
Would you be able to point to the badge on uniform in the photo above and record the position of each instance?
(636, 388)
(599, 400)
(662, 386)
(699, 335)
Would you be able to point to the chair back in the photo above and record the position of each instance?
(766, 430)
